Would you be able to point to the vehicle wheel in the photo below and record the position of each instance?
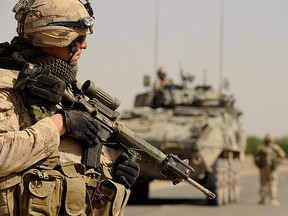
(216, 182)
(225, 183)
(234, 192)
(139, 193)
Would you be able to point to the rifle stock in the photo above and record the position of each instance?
(170, 165)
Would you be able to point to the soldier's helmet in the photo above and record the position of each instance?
(268, 138)
(50, 23)
(161, 72)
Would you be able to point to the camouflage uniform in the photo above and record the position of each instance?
(39, 173)
(159, 85)
(267, 159)
(21, 143)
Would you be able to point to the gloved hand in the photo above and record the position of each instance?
(126, 171)
(82, 126)
(39, 85)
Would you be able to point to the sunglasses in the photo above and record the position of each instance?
(81, 39)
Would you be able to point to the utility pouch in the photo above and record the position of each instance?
(111, 199)
(275, 164)
(75, 193)
(41, 192)
(8, 195)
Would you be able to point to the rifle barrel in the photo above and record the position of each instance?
(207, 192)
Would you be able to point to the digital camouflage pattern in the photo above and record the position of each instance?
(16, 132)
(21, 145)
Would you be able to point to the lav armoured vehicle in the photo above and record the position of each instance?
(195, 123)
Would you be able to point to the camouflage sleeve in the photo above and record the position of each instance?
(19, 149)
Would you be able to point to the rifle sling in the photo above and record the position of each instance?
(12, 64)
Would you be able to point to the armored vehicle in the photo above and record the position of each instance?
(195, 123)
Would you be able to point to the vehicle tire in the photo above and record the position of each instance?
(234, 189)
(216, 182)
(225, 184)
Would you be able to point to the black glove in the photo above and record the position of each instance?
(82, 126)
(126, 171)
(39, 85)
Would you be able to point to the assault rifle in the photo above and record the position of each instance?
(105, 113)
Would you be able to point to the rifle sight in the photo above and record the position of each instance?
(92, 91)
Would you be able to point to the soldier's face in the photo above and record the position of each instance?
(64, 53)
(80, 46)
(162, 76)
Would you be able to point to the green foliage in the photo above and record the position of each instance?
(253, 142)
(283, 142)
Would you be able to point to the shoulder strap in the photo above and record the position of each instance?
(12, 64)
(9, 71)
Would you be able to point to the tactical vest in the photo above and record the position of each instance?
(266, 157)
(51, 187)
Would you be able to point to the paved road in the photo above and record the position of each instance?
(183, 200)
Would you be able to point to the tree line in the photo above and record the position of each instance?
(254, 141)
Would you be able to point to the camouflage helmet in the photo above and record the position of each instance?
(53, 23)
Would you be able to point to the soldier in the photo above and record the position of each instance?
(162, 79)
(42, 142)
(267, 158)
(161, 82)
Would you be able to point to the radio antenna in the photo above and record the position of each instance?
(221, 46)
(156, 29)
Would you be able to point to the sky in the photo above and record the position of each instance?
(255, 50)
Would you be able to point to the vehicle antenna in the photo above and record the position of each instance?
(221, 47)
(156, 35)
(204, 77)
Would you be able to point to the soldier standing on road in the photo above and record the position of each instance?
(267, 158)
(41, 141)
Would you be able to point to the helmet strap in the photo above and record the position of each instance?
(21, 32)
(88, 7)
(74, 49)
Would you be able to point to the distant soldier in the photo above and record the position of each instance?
(159, 85)
(267, 158)
(162, 80)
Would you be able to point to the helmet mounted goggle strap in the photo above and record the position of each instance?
(86, 22)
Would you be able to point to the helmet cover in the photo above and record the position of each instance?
(50, 23)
